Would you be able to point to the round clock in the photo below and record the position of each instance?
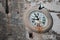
(38, 20)
(38, 17)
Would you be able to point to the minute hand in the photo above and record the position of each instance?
(36, 17)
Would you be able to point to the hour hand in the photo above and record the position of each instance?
(35, 19)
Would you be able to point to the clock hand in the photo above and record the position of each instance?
(36, 17)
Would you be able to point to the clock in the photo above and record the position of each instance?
(38, 20)
(36, 16)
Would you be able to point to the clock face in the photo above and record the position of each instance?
(37, 16)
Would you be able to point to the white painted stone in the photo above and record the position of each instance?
(56, 23)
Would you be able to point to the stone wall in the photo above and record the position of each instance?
(11, 25)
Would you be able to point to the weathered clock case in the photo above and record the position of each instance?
(28, 24)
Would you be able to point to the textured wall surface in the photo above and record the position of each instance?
(11, 25)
